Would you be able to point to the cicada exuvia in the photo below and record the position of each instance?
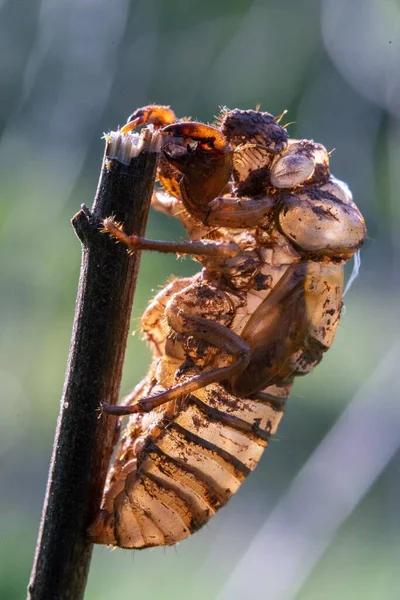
(272, 229)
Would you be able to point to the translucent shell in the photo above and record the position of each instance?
(322, 217)
(302, 161)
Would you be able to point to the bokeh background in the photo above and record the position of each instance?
(320, 516)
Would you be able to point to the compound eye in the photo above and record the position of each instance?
(291, 170)
(301, 162)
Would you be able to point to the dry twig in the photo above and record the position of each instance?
(83, 442)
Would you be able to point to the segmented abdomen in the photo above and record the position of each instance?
(188, 465)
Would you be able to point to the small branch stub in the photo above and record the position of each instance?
(83, 443)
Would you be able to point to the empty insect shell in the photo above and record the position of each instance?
(229, 341)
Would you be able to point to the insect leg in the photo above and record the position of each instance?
(166, 204)
(199, 248)
(226, 211)
(157, 115)
(153, 323)
(210, 332)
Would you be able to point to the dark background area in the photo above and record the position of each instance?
(319, 518)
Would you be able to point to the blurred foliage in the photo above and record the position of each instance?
(69, 71)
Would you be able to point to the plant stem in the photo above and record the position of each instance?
(84, 441)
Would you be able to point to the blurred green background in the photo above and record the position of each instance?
(320, 516)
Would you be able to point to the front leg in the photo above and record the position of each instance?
(207, 331)
(238, 213)
(199, 248)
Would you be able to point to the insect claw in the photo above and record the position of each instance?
(154, 114)
(107, 408)
(119, 410)
(99, 410)
(128, 127)
(115, 230)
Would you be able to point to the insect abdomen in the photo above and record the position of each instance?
(193, 468)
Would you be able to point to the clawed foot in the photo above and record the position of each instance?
(118, 410)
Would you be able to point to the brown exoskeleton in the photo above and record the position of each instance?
(272, 229)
